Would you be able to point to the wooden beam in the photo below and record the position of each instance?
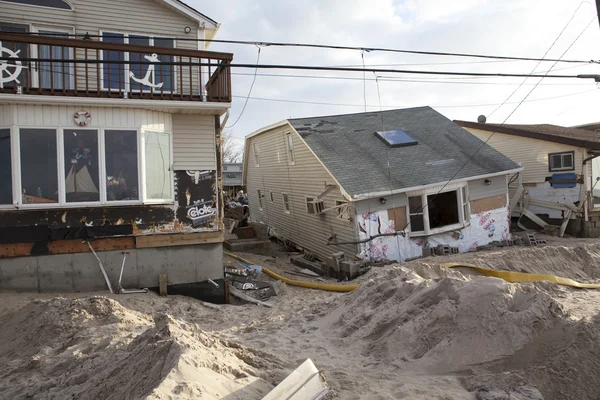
(162, 284)
(80, 246)
(8, 250)
(178, 239)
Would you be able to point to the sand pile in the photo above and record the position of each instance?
(93, 348)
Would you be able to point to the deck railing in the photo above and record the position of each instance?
(57, 66)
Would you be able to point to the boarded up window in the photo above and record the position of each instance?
(398, 215)
(487, 204)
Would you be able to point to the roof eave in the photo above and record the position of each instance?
(529, 134)
(192, 13)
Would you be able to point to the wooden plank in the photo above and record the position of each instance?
(8, 250)
(398, 215)
(79, 246)
(162, 285)
(516, 197)
(534, 218)
(178, 239)
(488, 203)
(241, 295)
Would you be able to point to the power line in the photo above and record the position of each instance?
(306, 67)
(249, 93)
(329, 47)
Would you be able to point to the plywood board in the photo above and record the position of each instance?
(398, 215)
(80, 246)
(178, 239)
(8, 250)
(487, 204)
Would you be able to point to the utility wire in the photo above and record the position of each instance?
(330, 47)
(306, 67)
(249, 93)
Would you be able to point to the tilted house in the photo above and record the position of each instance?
(350, 182)
(110, 115)
(561, 177)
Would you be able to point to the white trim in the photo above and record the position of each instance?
(62, 188)
(286, 210)
(112, 203)
(169, 106)
(191, 13)
(12, 168)
(365, 196)
(291, 157)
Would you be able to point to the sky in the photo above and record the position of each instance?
(522, 28)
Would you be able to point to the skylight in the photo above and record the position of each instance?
(396, 138)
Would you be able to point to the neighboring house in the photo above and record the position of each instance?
(232, 178)
(331, 184)
(560, 168)
(111, 137)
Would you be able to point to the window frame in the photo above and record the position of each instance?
(343, 215)
(71, 9)
(463, 220)
(255, 150)
(259, 194)
(562, 154)
(35, 77)
(286, 203)
(126, 67)
(271, 197)
(11, 129)
(142, 164)
(289, 147)
(308, 200)
(103, 192)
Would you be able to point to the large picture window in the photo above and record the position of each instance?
(82, 171)
(5, 168)
(121, 160)
(39, 166)
(157, 150)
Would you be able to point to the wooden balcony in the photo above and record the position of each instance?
(56, 66)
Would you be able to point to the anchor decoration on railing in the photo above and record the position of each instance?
(146, 80)
(17, 67)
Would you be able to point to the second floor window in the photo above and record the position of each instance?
(153, 75)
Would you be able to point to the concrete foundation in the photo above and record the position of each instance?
(80, 272)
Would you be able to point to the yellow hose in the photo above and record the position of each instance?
(292, 282)
(517, 277)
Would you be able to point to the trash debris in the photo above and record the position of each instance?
(305, 383)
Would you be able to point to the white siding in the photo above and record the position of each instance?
(194, 142)
(306, 177)
(102, 117)
(134, 16)
(479, 190)
(532, 154)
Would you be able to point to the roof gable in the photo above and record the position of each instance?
(358, 159)
(190, 12)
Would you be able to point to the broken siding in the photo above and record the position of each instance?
(194, 142)
(532, 154)
(305, 178)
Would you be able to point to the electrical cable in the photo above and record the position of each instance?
(329, 47)
(249, 92)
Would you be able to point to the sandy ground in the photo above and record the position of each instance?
(417, 331)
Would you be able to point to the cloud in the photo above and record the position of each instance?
(512, 27)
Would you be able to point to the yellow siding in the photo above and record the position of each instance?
(306, 177)
(532, 154)
(194, 142)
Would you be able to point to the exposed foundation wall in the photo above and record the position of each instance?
(80, 271)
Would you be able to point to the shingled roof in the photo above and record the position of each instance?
(348, 147)
(550, 133)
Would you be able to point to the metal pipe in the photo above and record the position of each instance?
(213, 282)
(101, 268)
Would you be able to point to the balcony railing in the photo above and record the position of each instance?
(42, 65)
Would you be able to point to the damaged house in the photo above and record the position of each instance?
(381, 184)
(560, 183)
(110, 115)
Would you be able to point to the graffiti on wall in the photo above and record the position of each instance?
(484, 228)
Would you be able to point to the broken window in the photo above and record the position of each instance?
(561, 161)
(121, 160)
(286, 203)
(157, 148)
(82, 170)
(5, 168)
(289, 141)
(415, 207)
(39, 166)
(465, 204)
(442, 209)
(259, 199)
